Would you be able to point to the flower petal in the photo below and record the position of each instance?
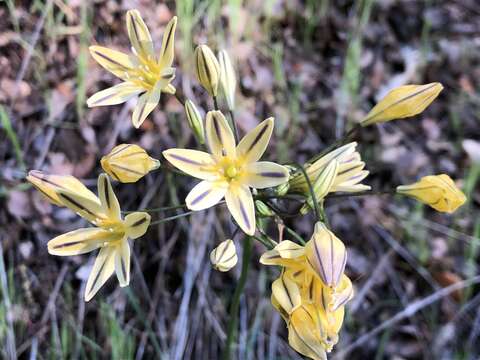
(326, 255)
(83, 206)
(49, 185)
(264, 174)
(205, 194)
(79, 241)
(196, 163)
(287, 293)
(103, 268)
(139, 35)
(137, 224)
(122, 262)
(114, 95)
(118, 63)
(240, 204)
(219, 135)
(107, 197)
(253, 145)
(145, 105)
(167, 52)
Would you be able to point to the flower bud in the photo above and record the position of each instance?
(437, 191)
(326, 255)
(224, 256)
(128, 163)
(50, 185)
(195, 121)
(282, 189)
(403, 101)
(227, 78)
(262, 209)
(208, 69)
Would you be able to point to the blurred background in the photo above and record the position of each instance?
(318, 66)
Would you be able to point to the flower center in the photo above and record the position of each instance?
(231, 171)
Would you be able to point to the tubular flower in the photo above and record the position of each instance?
(437, 191)
(349, 174)
(128, 163)
(229, 171)
(224, 256)
(403, 101)
(312, 291)
(49, 185)
(111, 234)
(141, 71)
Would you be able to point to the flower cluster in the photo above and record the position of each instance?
(312, 290)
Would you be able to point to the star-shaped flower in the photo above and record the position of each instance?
(141, 71)
(111, 234)
(229, 171)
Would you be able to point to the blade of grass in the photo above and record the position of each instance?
(7, 126)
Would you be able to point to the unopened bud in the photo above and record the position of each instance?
(195, 121)
(207, 68)
(227, 78)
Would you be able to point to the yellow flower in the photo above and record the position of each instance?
(348, 177)
(312, 290)
(403, 101)
(49, 185)
(141, 71)
(128, 163)
(224, 256)
(229, 171)
(111, 234)
(207, 69)
(437, 191)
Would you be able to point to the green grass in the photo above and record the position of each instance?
(12, 136)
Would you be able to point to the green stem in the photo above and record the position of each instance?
(165, 208)
(234, 125)
(310, 190)
(170, 218)
(294, 234)
(215, 103)
(338, 143)
(363, 193)
(233, 321)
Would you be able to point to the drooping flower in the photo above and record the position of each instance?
(141, 71)
(229, 171)
(224, 256)
(110, 235)
(128, 163)
(348, 177)
(437, 191)
(403, 101)
(312, 290)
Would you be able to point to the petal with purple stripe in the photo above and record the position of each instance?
(205, 194)
(264, 174)
(240, 204)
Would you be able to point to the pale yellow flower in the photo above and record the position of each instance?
(142, 71)
(347, 177)
(228, 80)
(437, 191)
(128, 163)
(312, 290)
(110, 236)
(229, 171)
(224, 256)
(403, 101)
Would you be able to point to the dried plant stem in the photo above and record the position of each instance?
(233, 320)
